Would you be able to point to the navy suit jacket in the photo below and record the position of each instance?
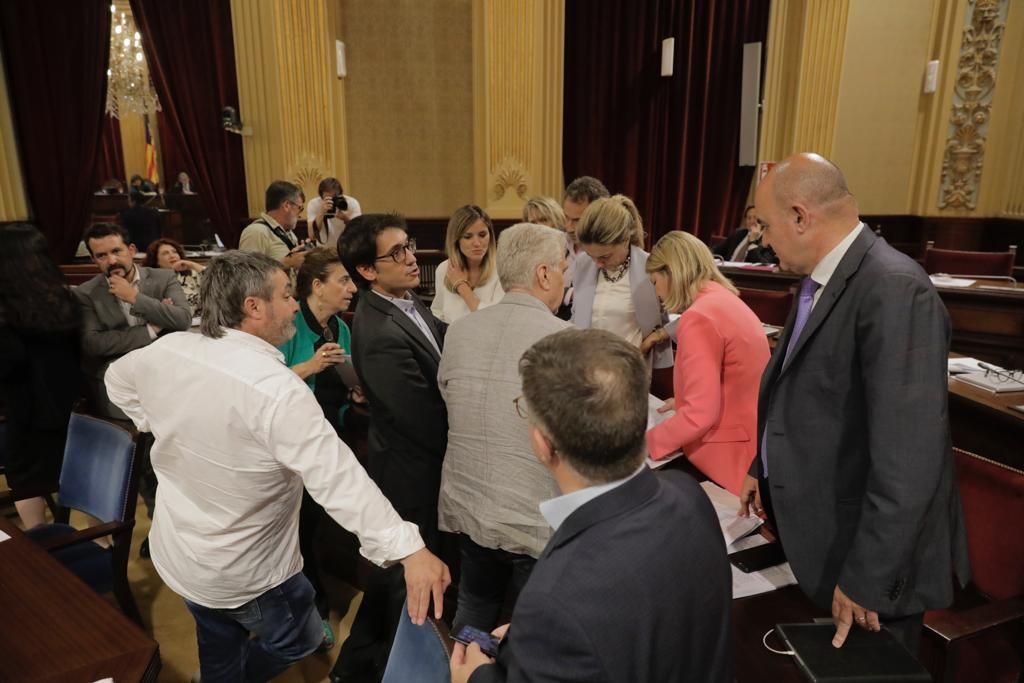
(634, 586)
(860, 464)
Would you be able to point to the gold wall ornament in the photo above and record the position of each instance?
(972, 104)
(509, 174)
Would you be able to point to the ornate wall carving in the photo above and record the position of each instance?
(972, 104)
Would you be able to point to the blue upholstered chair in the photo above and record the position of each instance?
(100, 478)
(419, 653)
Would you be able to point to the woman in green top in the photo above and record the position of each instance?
(321, 341)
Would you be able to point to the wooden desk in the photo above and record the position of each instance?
(987, 317)
(983, 423)
(752, 617)
(56, 628)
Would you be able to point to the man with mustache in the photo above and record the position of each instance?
(396, 349)
(124, 308)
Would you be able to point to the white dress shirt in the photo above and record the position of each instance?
(822, 272)
(126, 308)
(614, 310)
(557, 510)
(237, 435)
(407, 306)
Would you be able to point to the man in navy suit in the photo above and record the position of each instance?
(634, 584)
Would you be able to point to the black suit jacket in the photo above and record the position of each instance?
(408, 431)
(634, 586)
(143, 225)
(859, 460)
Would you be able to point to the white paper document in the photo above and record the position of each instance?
(3, 537)
(946, 281)
(959, 365)
(655, 418)
(738, 534)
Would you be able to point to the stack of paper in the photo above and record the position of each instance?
(959, 365)
(738, 533)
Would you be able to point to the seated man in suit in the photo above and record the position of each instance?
(125, 307)
(744, 244)
(396, 349)
(634, 584)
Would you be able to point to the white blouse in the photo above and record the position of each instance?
(450, 307)
(614, 310)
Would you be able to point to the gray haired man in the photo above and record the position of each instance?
(491, 484)
(238, 435)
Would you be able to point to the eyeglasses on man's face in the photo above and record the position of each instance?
(297, 204)
(397, 254)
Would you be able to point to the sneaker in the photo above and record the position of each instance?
(328, 641)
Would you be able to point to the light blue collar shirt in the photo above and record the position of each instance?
(557, 510)
(408, 306)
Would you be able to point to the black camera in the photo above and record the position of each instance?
(338, 203)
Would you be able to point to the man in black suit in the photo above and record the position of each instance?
(854, 461)
(142, 222)
(744, 244)
(634, 584)
(396, 349)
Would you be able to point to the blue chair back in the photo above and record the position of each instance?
(419, 653)
(97, 471)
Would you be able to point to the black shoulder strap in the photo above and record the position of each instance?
(281, 234)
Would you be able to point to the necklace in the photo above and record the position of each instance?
(618, 273)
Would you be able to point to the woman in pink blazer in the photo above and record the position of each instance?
(722, 351)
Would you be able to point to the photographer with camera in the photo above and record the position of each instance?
(330, 212)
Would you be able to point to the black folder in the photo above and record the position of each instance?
(865, 657)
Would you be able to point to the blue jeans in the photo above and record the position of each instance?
(417, 654)
(283, 620)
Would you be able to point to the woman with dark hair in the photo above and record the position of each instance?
(321, 342)
(165, 253)
(39, 364)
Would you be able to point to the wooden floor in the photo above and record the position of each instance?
(171, 625)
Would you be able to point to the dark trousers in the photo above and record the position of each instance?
(488, 576)
(311, 514)
(364, 654)
(906, 629)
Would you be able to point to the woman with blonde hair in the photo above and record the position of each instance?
(612, 291)
(468, 279)
(544, 211)
(722, 351)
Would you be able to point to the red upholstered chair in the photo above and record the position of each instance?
(981, 638)
(979, 263)
(770, 306)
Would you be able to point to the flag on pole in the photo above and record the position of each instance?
(151, 172)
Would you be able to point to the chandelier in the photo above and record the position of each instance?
(129, 88)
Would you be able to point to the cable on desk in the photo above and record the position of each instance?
(764, 641)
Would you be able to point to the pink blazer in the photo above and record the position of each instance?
(722, 351)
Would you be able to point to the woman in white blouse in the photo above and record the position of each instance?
(612, 290)
(468, 279)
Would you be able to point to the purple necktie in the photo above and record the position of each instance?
(803, 311)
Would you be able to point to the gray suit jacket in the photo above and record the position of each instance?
(491, 482)
(859, 462)
(106, 334)
(649, 313)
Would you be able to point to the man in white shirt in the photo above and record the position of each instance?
(327, 221)
(238, 435)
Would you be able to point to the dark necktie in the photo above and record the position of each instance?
(803, 311)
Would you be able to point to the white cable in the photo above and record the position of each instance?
(764, 641)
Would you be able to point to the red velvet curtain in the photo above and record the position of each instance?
(111, 159)
(171, 162)
(669, 143)
(55, 54)
(191, 55)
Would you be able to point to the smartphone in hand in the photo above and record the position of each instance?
(488, 643)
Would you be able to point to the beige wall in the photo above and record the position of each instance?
(409, 104)
(880, 92)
